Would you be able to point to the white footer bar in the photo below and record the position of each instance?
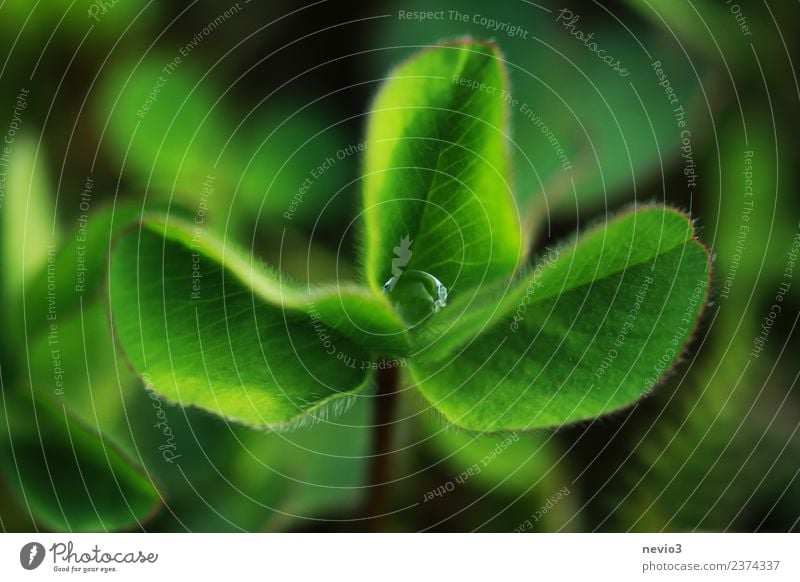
(401, 557)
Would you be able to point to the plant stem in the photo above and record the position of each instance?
(380, 467)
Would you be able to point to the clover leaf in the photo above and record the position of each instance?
(493, 343)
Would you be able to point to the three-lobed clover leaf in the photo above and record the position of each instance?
(492, 343)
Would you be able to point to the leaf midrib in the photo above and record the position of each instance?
(627, 265)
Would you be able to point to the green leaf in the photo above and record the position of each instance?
(530, 466)
(79, 365)
(593, 331)
(67, 475)
(751, 230)
(27, 229)
(437, 170)
(575, 120)
(295, 162)
(47, 18)
(75, 274)
(227, 477)
(711, 28)
(726, 422)
(205, 327)
(166, 128)
(466, 316)
(176, 129)
(323, 468)
(218, 477)
(26, 216)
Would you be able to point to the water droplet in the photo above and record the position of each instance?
(416, 295)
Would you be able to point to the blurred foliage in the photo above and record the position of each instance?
(164, 120)
(261, 101)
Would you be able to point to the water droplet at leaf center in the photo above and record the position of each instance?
(416, 295)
